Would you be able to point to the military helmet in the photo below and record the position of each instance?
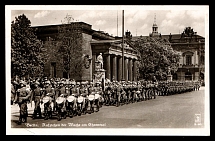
(82, 83)
(73, 83)
(47, 82)
(98, 82)
(61, 82)
(37, 83)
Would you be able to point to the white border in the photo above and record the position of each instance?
(106, 131)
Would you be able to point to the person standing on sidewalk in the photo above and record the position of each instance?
(22, 97)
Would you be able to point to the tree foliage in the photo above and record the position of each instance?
(156, 56)
(27, 52)
(70, 49)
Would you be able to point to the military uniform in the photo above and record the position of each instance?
(36, 97)
(22, 96)
(83, 92)
(107, 94)
(51, 92)
(118, 93)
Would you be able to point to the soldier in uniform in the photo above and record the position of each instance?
(133, 92)
(107, 93)
(62, 89)
(74, 90)
(118, 93)
(139, 91)
(22, 97)
(36, 97)
(98, 90)
(91, 91)
(13, 92)
(123, 93)
(82, 91)
(48, 90)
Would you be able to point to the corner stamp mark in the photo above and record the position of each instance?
(197, 119)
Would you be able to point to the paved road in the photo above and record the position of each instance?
(175, 111)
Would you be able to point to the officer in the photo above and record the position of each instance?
(22, 97)
(36, 97)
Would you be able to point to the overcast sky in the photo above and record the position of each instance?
(137, 19)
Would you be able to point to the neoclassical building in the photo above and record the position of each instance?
(94, 43)
(192, 47)
(189, 43)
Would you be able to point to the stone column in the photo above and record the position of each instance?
(93, 64)
(130, 73)
(119, 68)
(114, 67)
(135, 71)
(126, 69)
(108, 69)
(196, 53)
(192, 60)
(183, 59)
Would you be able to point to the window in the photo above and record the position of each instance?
(188, 59)
(202, 59)
(53, 69)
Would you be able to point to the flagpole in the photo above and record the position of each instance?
(123, 45)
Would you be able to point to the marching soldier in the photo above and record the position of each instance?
(123, 93)
(36, 97)
(133, 92)
(74, 90)
(83, 92)
(98, 90)
(48, 90)
(118, 93)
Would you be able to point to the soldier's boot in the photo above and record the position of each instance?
(20, 119)
(39, 112)
(34, 114)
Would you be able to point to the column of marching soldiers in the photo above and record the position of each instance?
(66, 97)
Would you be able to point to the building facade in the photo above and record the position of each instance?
(192, 48)
(93, 43)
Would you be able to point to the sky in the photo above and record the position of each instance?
(137, 19)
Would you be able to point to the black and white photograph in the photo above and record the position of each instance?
(107, 70)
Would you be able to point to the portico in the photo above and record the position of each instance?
(112, 55)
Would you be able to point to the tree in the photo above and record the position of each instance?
(68, 48)
(27, 52)
(156, 55)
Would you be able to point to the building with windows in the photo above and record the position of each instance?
(189, 43)
(192, 47)
(93, 43)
